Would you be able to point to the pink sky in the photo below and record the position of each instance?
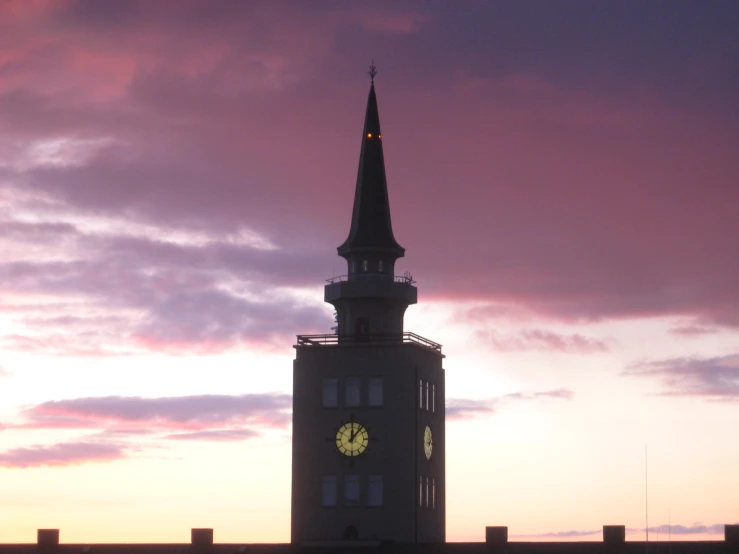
(175, 178)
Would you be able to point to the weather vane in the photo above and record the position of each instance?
(372, 71)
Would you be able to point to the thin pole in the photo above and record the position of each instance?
(646, 496)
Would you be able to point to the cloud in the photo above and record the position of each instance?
(694, 529)
(61, 454)
(711, 378)
(173, 414)
(465, 408)
(219, 435)
(572, 534)
(4, 372)
(541, 340)
(211, 119)
(461, 408)
(693, 330)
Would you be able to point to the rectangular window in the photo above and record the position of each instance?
(427, 395)
(374, 490)
(365, 265)
(375, 392)
(351, 490)
(420, 393)
(330, 393)
(420, 490)
(433, 398)
(328, 490)
(433, 493)
(427, 492)
(351, 392)
(380, 266)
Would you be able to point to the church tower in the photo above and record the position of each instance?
(368, 401)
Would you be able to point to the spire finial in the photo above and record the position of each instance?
(372, 71)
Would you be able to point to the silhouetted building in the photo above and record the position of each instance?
(368, 401)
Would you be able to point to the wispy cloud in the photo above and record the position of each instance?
(61, 454)
(467, 408)
(711, 378)
(572, 534)
(541, 340)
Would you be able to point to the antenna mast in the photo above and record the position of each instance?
(646, 496)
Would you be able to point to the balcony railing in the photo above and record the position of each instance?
(407, 279)
(377, 338)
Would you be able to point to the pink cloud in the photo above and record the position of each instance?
(182, 413)
(219, 435)
(61, 454)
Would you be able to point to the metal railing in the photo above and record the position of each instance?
(376, 338)
(407, 279)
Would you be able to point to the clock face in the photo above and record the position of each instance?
(428, 442)
(352, 439)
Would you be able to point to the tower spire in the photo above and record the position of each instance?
(371, 230)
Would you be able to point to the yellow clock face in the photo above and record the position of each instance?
(352, 439)
(428, 442)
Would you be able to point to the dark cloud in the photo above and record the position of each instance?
(596, 178)
(61, 454)
(465, 408)
(711, 378)
(538, 339)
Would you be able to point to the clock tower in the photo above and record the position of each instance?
(368, 401)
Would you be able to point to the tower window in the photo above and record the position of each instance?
(374, 490)
(420, 393)
(354, 266)
(375, 392)
(427, 395)
(351, 392)
(365, 266)
(433, 493)
(420, 490)
(330, 393)
(380, 266)
(328, 490)
(433, 397)
(426, 496)
(351, 490)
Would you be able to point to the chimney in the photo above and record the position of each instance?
(201, 537)
(496, 536)
(731, 534)
(48, 538)
(614, 535)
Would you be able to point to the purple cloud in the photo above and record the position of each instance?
(572, 534)
(61, 454)
(710, 378)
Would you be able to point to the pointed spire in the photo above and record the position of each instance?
(371, 229)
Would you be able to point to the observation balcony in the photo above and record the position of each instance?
(371, 285)
(373, 338)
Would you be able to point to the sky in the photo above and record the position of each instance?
(175, 177)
